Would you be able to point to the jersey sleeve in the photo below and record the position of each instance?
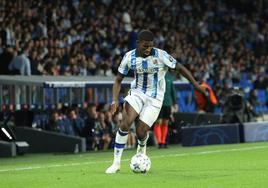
(168, 60)
(124, 65)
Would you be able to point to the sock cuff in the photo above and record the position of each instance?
(145, 138)
(143, 142)
(119, 146)
(122, 133)
(121, 137)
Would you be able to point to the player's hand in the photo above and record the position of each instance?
(202, 89)
(174, 108)
(114, 107)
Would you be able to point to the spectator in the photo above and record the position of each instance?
(206, 103)
(55, 124)
(20, 65)
(77, 122)
(67, 124)
(104, 130)
(89, 129)
(35, 62)
(254, 103)
(5, 58)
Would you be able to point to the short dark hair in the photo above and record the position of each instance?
(146, 35)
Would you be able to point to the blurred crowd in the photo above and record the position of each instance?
(223, 42)
(219, 39)
(94, 122)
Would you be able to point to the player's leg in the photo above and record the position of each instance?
(164, 130)
(131, 143)
(164, 126)
(157, 129)
(142, 135)
(147, 118)
(129, 115)
(158, 132)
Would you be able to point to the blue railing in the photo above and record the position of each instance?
(46, 92)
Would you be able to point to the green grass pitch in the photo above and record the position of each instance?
(237, 165)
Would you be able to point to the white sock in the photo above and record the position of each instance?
(120, 142)
(143, 142)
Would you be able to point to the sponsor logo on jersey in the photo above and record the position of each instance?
(148, 70)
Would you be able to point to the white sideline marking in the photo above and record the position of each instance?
(157, 156)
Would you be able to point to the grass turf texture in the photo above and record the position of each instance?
(239, 165)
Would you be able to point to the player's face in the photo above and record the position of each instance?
(145, 47)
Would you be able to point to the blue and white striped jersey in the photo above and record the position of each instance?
(149, 72)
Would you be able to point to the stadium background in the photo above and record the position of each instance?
(56, 99)
(223, 42)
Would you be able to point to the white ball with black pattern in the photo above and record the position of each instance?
(140, 163)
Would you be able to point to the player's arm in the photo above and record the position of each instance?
(116, 90)
(172, 63)
(186, 73)
(122, 72)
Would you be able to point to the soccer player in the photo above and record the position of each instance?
(144, 99)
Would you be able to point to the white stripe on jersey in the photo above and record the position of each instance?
(149, 72)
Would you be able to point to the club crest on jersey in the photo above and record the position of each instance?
(155, 62)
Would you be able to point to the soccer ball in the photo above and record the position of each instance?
(140, 163)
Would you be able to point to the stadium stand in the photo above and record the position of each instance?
(224, 41)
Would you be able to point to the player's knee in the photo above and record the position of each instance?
(125, 125)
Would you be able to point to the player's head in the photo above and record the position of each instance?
(145, 42)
